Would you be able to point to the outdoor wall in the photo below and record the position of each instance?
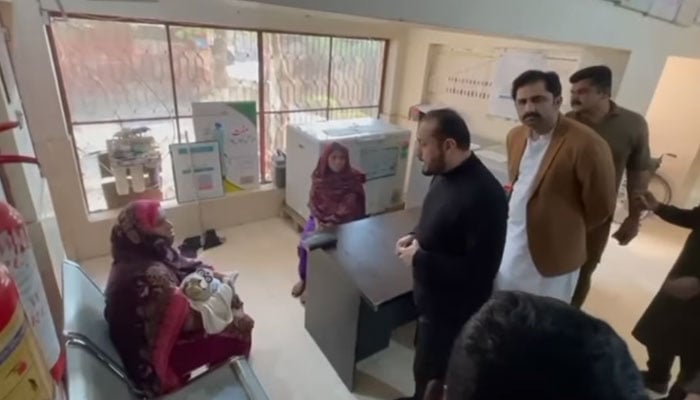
(674, 119)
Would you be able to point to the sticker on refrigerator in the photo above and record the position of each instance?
(379, 162)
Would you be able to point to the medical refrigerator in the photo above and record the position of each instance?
(377, 149)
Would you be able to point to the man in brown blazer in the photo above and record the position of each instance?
(563, 187)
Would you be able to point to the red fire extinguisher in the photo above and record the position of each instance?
(23, 373)
(17, 254)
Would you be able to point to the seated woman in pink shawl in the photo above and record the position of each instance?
(160, 339)
(337, 197)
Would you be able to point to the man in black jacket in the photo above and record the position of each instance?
(457, 246)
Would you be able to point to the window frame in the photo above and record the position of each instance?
(262, 111)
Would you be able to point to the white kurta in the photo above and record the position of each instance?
(518, 271)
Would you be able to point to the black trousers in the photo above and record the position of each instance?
(659, 369)
(434, 342)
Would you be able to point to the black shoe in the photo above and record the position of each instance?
(211, 239)
(190, 246)
(654, 383)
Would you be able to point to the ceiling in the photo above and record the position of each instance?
(680, 12)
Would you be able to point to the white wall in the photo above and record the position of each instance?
(87, 236)
(417, 58)
(588, 22)
(674, 116)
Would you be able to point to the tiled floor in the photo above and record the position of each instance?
(291, 367)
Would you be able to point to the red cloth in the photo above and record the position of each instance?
(337, 197)
(147, 212)
(173, 320)
(187, 356)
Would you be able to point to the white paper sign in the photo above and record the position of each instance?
(197, 171)
(234, 126)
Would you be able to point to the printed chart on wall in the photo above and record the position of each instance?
(511, 64)
(564, 65)
(234, 126)
(460, 78)
(477, 82)
(197, 171)
(514, 62)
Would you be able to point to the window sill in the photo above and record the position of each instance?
(173, 205)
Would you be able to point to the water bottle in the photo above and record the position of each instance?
(220, 136)
(279, 163)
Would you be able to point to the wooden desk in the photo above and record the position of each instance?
(359, 291)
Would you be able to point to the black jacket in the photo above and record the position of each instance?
(672, 325)
(462, 232)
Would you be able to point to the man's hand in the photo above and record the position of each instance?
(404, 242)
(684, 288)
(408, 252)
(647, 201)
(627, 231)
(692, 396)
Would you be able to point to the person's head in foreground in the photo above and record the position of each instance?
(443, 141)
(537, 96)
(520, 346)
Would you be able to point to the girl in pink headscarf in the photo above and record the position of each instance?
(160, 339)
(337, 197)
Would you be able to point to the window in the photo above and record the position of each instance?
(118, 74)
(115, 75)
(316, 78)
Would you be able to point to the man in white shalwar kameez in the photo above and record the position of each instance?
(563, 186)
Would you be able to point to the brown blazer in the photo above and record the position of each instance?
(574, 194)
